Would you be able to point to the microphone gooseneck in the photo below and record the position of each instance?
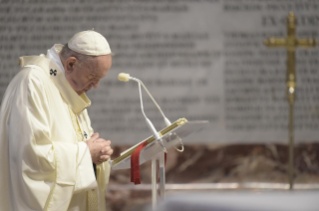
(126, 77)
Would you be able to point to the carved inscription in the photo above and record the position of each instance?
(201, 59)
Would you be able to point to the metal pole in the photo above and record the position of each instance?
(154, 184)
(291, 145)
(291, 89)
(162, 175)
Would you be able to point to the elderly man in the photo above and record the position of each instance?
(47, 142)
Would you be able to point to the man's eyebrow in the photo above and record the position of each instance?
(95, 76)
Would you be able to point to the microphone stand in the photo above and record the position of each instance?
(160, 157)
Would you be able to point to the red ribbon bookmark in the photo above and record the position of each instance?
(135, 164)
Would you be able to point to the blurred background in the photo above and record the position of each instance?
(202, 60)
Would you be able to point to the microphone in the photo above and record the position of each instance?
(126, 77)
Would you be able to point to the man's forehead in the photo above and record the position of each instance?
(100, 66)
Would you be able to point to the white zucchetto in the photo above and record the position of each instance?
(89, 43)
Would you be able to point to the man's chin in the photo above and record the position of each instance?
(79, 92)
(86, 90)
(82, 91)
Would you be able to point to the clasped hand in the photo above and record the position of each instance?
(100, 149)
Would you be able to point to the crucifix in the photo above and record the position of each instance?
(291, 42)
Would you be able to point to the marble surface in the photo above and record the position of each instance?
(211, 164)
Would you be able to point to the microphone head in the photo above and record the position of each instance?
(124, 77)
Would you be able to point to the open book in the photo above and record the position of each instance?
(171, 136)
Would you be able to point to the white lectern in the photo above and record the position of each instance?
(153, 150)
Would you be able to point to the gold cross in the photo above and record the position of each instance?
(291, 42)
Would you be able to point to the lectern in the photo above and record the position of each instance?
(153, 150)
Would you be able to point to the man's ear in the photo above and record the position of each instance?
(69, 64)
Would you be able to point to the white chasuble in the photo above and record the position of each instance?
(44, 165)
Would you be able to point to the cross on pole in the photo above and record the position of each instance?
(291, 42)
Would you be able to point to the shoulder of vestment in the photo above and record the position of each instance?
(41, 61)
(77, 102)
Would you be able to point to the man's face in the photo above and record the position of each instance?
(83, 77)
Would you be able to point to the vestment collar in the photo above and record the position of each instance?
(53, 55)
(77, 102)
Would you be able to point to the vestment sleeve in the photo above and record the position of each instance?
(58, 156)
(85, 178)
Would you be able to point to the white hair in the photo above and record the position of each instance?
(66, 53)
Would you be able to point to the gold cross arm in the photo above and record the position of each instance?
(276, 42)
(283, 42)
(310, 42)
